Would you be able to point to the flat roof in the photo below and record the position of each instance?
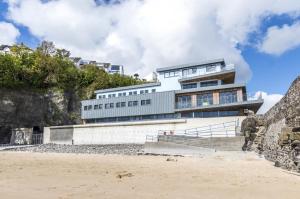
(128, 87)
(213, 61)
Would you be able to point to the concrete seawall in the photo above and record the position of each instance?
(125, 132)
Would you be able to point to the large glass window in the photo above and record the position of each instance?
(209, 83)
(184, 101)
(204, 99)
(188, 86)
(227, 97)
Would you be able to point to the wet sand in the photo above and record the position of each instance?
(218, 175)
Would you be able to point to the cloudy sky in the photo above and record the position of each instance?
(262, 38)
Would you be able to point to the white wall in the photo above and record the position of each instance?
(135, 132)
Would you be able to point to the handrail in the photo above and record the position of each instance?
(204, 130)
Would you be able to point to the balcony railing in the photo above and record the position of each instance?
(229, 99)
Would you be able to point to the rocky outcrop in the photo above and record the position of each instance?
(279, 136)
(26, 109)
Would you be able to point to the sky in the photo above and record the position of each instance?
(261, 38)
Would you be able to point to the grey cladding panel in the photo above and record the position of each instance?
(161, 103)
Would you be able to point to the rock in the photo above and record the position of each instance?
(277, 164)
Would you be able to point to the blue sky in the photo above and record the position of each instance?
(144, 35)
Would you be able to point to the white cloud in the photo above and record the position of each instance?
(143, 35)
(279, 40)
(8, 33)
(269, 100)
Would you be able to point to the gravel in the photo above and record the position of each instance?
(123, 149)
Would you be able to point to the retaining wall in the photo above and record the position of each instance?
(125, 132)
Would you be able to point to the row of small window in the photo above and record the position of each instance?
(202, 84)
(124, 94)
(118, 105)
(189, 71)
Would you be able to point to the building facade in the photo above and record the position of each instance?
(108, 67)
(200, 90)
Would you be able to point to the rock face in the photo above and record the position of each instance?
(27, 109)
(278, 138)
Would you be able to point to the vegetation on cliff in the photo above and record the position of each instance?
(50, 68)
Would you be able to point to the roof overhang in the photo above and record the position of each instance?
(209, 88)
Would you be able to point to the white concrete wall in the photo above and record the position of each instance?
(134, 132)
(46, 135)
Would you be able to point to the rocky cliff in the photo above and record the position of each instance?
(24, 108)
(278, 137)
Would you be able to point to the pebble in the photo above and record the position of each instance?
(122, 149)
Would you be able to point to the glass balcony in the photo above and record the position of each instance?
(206, 100)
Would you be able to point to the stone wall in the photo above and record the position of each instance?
(280, 130)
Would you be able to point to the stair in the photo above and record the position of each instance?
(217, 143)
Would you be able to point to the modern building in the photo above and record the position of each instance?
(200, 90)
(108, 67)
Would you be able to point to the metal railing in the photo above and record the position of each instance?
(226, 129)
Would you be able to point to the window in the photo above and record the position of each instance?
(184, 101)
(209, 83)
(99, 96)
(210, 68)
(141, 92)
(124, 94)
(90, 107)
(205, 99)
(171, 74)
(120, 104)
(194, 70)
(113, 95)
(103, 96)
(107, 106)
(109, 96)
(130, 93)
(111, 105)
(188, 86)
(146, 91)
(145, 102)
(119, 94)
(185, 72)
(96, 106)
(132, 103)
(85, 108)
(135, 92)
(100, 106)
(153, 90)
(227, 97)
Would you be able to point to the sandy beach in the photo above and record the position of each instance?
(219, 175)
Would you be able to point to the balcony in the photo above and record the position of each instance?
(224, 101)
(227, 74)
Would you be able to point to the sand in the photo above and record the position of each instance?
(221, 175)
